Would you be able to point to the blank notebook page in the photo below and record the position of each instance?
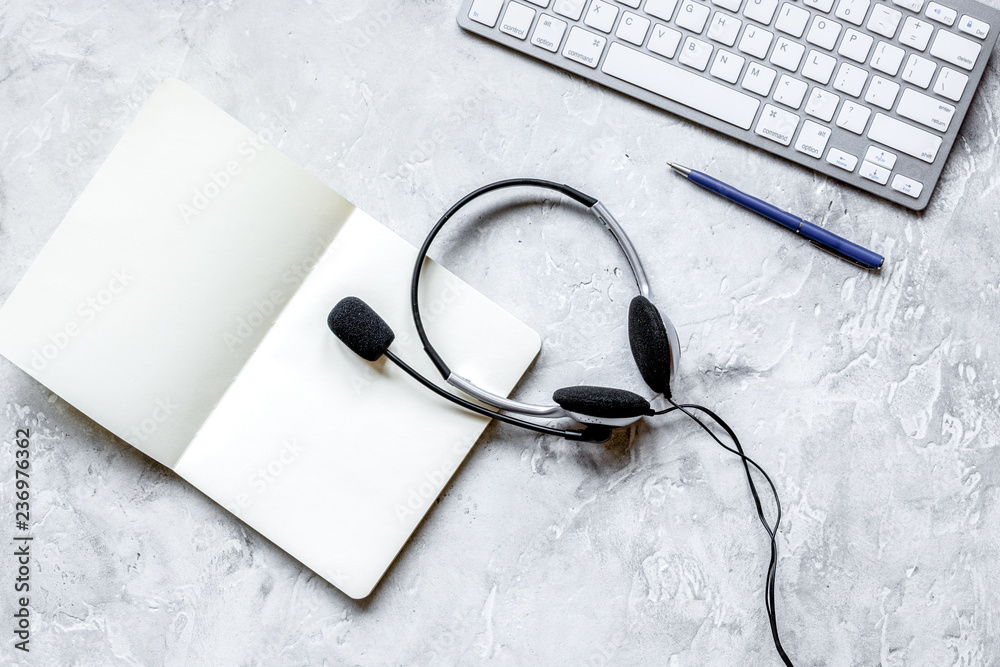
(133, 311)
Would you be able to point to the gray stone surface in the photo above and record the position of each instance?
(872, 399)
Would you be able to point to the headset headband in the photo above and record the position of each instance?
(466, 385)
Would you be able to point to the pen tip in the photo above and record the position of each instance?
(683, 171)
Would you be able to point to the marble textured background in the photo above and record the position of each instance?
(872, 399)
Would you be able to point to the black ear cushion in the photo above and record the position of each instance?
(647, 336)
(602, 402)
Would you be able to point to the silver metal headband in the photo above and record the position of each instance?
(604, 215)
(554, 411)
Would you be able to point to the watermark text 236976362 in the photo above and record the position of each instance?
(22, 541)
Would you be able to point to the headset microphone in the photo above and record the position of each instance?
(360, 328)
(366, 334)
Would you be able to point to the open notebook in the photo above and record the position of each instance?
(182, 305)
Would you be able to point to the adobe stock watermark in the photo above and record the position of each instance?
(87, 311)
(371, 27)
(259, 481)
(163, 410)
(424, 148)
(596, 146)
(23, 469)
(85, 146)
(449, 638)
(419, 497)
(38, 18)
(582, 335)
(605, 653)
(263, 311)
(218, 180)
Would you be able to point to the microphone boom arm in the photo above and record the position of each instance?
(588, 434)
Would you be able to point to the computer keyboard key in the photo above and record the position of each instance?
(853, 11)
(695, 53)
(856, 45)
(887, 58)
(731, 5)
(692, 16)
(881, 157)
(601, 15)
(661, 9)
(928, 111)
(912, 5)
(875, 173)
(756, 41)
(812, 139)
(632, 28)
(724, 28)
(761, 11)
(541, 3)
(915, 33)
(790, 91)
(951, 84)
(682, 86)
(571, 9)
(918, 71)
(777, 125)
(853, 117)
(758, 79)
(884, 21)
(584, 46)
(850, 79)
(486, 11)
(940, 13)
(907, 185)
(904, 137)
(517, 20)
(822, 104)
(664, 41)
(842, 159)
(787, 54)
(954, 49)
(974, 27)
(819, 67)
(821, 5)
(548, 33)
(882, 92)
(727, 66)
(634, 4)
(792, 20)
(823, 32)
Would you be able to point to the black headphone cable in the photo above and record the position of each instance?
(769, 596)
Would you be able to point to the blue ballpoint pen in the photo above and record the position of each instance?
(819, 237)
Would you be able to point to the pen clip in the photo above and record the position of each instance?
(847, 259)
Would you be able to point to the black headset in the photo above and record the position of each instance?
(653, 338)
(599, 410)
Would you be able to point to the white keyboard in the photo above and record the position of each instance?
(869, 93)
